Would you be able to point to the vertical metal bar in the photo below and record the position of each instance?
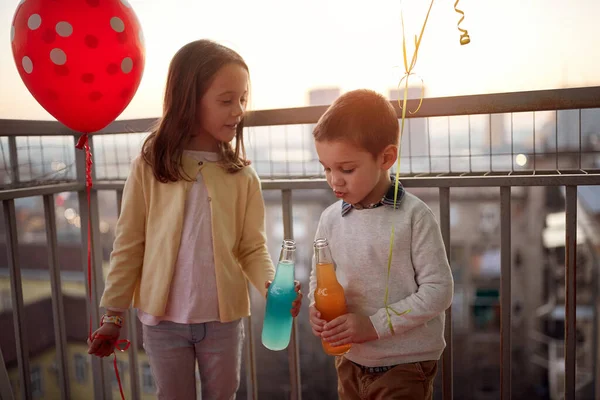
(97, 272)
(5, 166)
(556, 139)
(42, 157)
(253, 131)
(29, 159)
(512, 143)
(490, 141)
(270, 152)
(102, 388)
(6, 392)
(132, 322)
(580, 138)
(571, 290)
(104, 157)
(447, 389)
(293, 353)
(10, 221)
(287, 159)
(58, 313)
(428, 143)
(65, 159)
(134, 364)
(449, 149)
(534, 149)
(13, 156)
(596, 328)
(409, 146)
(469, 130)
(303, 150)
(505, 292)
(251, 381)
(117, 161)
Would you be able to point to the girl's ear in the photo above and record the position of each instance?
(389, 156)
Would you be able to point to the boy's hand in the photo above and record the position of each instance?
(296, 304)
(349, 328)
(104, 347)
(315, 321)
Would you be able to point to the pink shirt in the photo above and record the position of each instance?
(193, 293)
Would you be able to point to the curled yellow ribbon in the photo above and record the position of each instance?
(464, 36)
(405, 77)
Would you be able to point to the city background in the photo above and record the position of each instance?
(308, 54)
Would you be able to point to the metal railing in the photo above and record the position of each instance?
(466, 105)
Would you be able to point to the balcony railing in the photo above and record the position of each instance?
(573, 165)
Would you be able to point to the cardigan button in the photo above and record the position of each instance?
(200, 163)
(209, 199)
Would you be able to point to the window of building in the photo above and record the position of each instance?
(37, 388)
(80, 368)
(147, 379)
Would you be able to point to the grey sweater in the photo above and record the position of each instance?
(420, 278)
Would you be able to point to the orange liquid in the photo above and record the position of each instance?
(331, 303)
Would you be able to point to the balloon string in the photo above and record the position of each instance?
(84, 144)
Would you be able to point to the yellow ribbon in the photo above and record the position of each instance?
(408, 71)
(464, 36)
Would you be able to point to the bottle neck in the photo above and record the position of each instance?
(287, 255)
(324, 264)
(326, 275)
(323, 255)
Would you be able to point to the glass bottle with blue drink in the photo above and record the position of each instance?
(277, 325)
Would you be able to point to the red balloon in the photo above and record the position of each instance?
(82, 60)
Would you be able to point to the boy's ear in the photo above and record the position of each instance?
(390, 155)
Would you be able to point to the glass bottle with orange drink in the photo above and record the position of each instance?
(330, 300)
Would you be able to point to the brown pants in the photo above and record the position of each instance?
(405, 381)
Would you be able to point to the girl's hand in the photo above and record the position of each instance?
(103, 346)
(296, 304)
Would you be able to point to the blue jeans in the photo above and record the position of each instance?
(173, 350)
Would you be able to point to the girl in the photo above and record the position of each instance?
(191, 231)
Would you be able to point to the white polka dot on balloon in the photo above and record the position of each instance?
(27, 64)
(126, 3)
(117, 24)
(58, 56)
(126, 65)
(12, 34)
(64, 29)
(34, 21)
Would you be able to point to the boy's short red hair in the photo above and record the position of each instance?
(362, 117)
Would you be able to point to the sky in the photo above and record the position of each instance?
(293, 47)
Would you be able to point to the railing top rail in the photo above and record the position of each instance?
(538, 100)
(575, 178)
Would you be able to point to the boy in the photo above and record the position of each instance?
(357, 143)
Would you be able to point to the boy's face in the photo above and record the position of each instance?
(353, 173)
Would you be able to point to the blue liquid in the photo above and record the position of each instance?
(277, 325)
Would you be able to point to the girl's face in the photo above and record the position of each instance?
(222, 108)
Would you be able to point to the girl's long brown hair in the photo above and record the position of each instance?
(190, 74)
